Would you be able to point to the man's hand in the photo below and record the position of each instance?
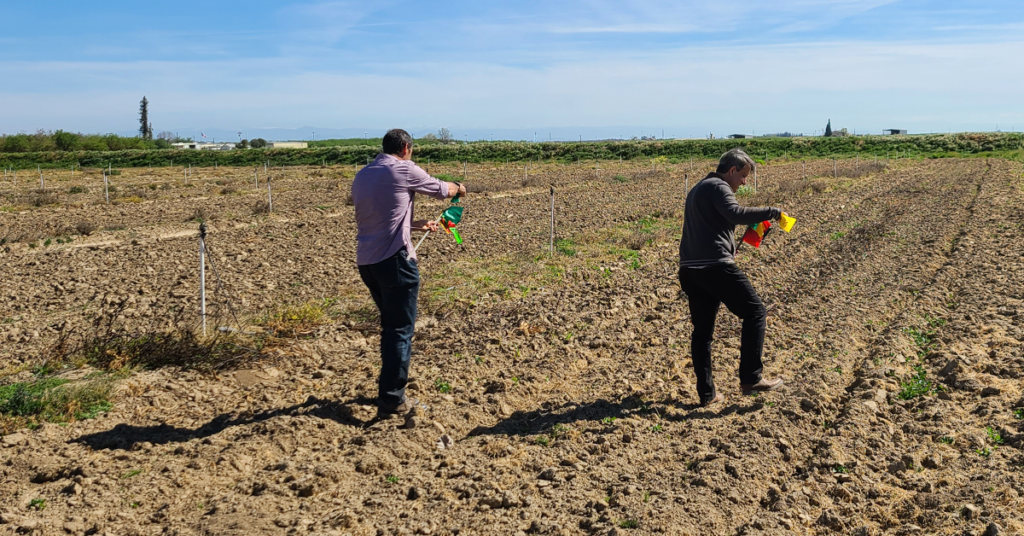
(455, 189)
(425, 225)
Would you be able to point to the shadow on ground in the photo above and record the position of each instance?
(124, 436)
(542, 420)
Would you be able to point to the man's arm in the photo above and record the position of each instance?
(420, 181)
(725, 202)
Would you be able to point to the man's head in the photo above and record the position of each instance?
(734, 166)
(398, 142)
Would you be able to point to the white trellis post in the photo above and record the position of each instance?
(835, 173)
(256, 176)
(270, 197)
(106, 188)
(686, 177)
(202, 275)
(552, 247)
(755, 179)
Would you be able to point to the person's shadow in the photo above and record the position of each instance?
(547, 419)
(124, 436)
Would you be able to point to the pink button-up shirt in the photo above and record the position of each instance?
(383, 196)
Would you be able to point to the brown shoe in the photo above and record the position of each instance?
(718, 398)
(405, 409)
(761, 386)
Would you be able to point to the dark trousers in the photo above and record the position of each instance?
(706, 289)
(394, 284)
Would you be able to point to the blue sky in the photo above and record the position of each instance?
(508, 69)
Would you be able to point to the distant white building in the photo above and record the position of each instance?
(894, 132)
(204, 146)
(287, 145)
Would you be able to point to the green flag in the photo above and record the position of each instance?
(451, 216)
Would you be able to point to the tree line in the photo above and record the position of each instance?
(139, 155)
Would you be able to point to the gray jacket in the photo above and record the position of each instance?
(710, 220)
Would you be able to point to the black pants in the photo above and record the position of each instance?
(706, 289)
(394, 284)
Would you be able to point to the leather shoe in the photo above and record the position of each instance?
(761, 386)
(718, 398)
(406, 408)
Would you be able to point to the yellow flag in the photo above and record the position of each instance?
(786, 223)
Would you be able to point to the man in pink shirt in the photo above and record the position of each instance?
(383, 196)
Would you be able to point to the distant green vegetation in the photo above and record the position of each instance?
(42, 142)
(673, 151)
(354, 142)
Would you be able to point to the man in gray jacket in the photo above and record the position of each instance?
(709, 275)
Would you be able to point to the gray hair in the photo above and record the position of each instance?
(734, 158)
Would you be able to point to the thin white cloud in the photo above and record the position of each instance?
(1002, 27)
(658, 16)
(859, 85)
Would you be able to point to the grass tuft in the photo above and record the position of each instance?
(299, 320)
(917, 385)
(52, 400)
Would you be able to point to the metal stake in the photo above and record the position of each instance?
(552, 249)
(202, 274)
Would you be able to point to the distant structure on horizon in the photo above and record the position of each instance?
(287, 145)
(204, 146)
(894, 132)
(213, 146)
(828, 129)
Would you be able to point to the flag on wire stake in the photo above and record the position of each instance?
(448, 219)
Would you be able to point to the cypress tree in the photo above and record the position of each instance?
(828, 129)
(145, 129)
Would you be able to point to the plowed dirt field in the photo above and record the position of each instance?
(558, 393)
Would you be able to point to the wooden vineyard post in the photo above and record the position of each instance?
(552, 246)
(202, 275)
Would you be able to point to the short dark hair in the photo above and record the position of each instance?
(734, 158)
(395, 141)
